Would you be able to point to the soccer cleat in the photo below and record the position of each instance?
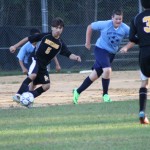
(16, 98)
(75, 96)
(143, 119)
(106, 98)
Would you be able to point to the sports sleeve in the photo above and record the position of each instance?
(133, 33)
(64, 50)
(98, 25)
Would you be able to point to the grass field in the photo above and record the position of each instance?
(93, 126)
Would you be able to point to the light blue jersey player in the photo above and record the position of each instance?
(110, 37)
(25, 53)
(112, 32)
(24, 56)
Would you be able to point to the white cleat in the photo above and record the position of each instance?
(16, 98)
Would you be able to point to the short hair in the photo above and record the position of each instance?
(34, 31)
(117, 12)
(145, 3)
(57, 22)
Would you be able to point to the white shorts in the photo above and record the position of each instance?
(143, 77)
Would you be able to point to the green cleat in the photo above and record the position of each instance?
(106, 98)
(75, 96)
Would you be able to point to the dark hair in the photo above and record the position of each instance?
(34, 31)
(145, 3)
(57, 22)
(117, 12)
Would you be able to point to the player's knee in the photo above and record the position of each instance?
(106, 72)
(32, 76)
(46, 86)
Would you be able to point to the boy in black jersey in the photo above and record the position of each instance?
(50, 45)
(140, 34)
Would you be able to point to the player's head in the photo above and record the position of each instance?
(117, 17)
(57, 22)
(145, 3)
(57, 26)
(34, 31)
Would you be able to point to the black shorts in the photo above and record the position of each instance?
(42, 73)
(144, 60)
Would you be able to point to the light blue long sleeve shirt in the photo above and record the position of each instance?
(110, 38)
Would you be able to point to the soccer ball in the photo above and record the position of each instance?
(26, 99)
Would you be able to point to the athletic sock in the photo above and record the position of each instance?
(24, 86)
(37, 92)
(86, 83)
(142, 98)
(105, 85)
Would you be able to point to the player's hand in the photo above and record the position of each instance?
(58, 68)
(78, 58)
(12, 49)
(88, 46)
(25, 71)
(123, 50)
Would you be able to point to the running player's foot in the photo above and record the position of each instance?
(143, 119)
(16, 98)
(75, 96)
(106, 98)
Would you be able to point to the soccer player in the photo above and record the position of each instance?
(112, 33)
(140, 34)
(26, 51)
(50, 45)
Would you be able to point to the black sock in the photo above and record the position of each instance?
(24, 86)
(142, 98)
(37, 92)
(86, 83)
(105, 85)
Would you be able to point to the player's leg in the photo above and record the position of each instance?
(143, 99)
(32, 87)
(106, 66)
(105, 83)
(86, 83)
(24, 86)
(44, 79)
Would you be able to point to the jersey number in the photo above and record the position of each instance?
(147, 20)
(48, 50)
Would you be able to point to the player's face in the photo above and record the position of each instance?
(56, 31)
(117, 20)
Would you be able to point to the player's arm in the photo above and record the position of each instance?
(88, 37)
(58, 68)
(24, 69)
(75, 57)
(32, 39)
(65, 52)
(125, 48)
(20, 43)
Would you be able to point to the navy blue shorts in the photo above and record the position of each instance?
(103, 58)
(42, 73)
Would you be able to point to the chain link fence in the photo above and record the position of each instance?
(19, 16)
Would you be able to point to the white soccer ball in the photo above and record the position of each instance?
(26, 98)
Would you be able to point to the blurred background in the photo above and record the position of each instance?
(17, 17)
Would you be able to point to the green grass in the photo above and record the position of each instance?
(96, 126)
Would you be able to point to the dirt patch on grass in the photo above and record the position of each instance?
(124, 85)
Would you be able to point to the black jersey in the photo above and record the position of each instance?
(140, 27)
(48, 48)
